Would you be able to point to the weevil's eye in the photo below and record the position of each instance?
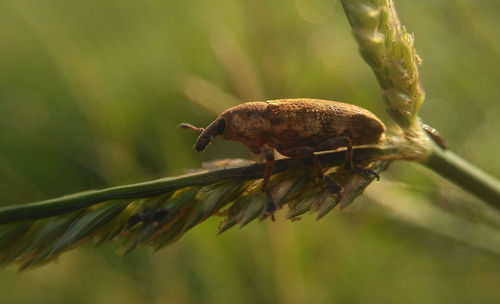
(221, 126)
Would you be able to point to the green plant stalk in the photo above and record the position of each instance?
(80, 200)
(389, 50)
(467, 176)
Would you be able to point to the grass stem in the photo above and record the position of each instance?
(81, 200)
(464, 174)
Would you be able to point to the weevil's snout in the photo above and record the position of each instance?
(202, 142)
(207, 136)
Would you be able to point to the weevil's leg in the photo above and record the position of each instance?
(339, 142)
(147, 216)
(269, 206)
(267, 154)
(366, 172)
(435, 136)
(306, 152)
(345, 141)
(185, 125)
(160, 213)
(133, 220)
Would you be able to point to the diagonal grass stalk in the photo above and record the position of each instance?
(36, 233)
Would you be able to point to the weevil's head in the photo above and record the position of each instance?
(217, 127)
(245, 123)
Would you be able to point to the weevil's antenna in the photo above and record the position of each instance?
(185, 125)
(206, 136)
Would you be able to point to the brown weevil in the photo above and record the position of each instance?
(295, 128)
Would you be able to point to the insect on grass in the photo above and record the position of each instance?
(295, 128)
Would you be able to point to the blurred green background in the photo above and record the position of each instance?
(90, 96)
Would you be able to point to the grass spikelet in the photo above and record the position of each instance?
(158, 213)
(389, 50)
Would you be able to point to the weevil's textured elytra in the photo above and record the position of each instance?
(295, 128)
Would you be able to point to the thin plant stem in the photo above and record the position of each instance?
(80, 200)
(464, 174)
